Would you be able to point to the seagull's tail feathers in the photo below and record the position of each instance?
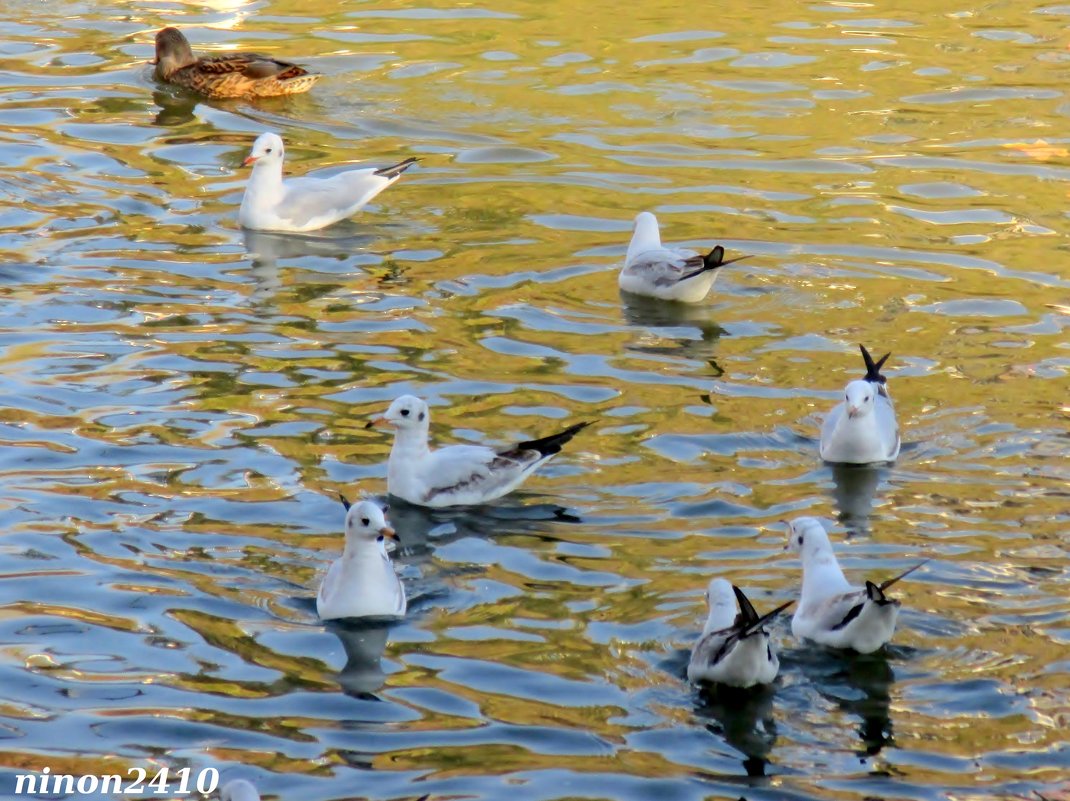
(548, 446)
(748, 620)
(396, 170)
(873, 368)
(711, 261)
(886, 584)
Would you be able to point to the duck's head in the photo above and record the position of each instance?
(267, 149)
(172, 52)
(407, 413)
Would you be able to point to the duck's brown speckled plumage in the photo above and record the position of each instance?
(227, 76)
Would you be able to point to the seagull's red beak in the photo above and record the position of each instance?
(249, 160)
(379, 422)
(386, 531)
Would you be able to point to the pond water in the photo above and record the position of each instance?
(182, 402)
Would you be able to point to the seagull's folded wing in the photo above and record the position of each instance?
(664, 267)
(310, 201)
(837, 611)
(471, 469)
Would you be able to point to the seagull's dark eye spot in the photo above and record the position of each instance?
(404, 412)
(866, 399)
(365, 521)
(385, 508)
(800, 539)
(268, 150)
(420, 417)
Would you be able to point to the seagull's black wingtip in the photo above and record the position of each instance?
(396, 169)
(873, 368)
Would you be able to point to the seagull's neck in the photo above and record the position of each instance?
(265, 184)
(409, 445)
(721, 617)
(361, 549)
(822, 575)
(646, 237)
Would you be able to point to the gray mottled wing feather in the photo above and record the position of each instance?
(396, 589)
(832, 419)
(831, 611)
(307, 199)
(889, 427)
(665, 267)
(472, 468)
(330, 582)
(711, 649)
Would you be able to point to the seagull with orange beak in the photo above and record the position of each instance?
(457, 475)
(363, 583)
(308, 203)
(862, 429)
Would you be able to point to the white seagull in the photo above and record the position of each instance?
(831, 611)
(308, 203)
(456, 475)
(734, 649)
(667, 273)
(362, 582)
(862, 429)
(238, 790)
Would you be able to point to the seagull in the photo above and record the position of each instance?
(308, 203)
(238, 790)
(862, 429)
(831, 611)
(457, 475)
(667, 273)
(229, 75)
(362, 582)
(733, 649)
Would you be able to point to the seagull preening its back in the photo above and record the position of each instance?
(457, 475)
(734, 649)
(862, 428)
(362, 582)
(832, 611)
(667, 273)
(309, 203)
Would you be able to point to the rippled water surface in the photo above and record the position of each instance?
(181, 402)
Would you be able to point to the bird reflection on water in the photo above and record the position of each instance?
(744, 718)
(859, 684)
(854, 490)
(364, 643)
(678, 324)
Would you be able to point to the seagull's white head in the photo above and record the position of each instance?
(407, 413)
(719, 594)
(807, 537)
(238, 790)
(645, 235)
(267, 149)
(367, 521)
(860, 397)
